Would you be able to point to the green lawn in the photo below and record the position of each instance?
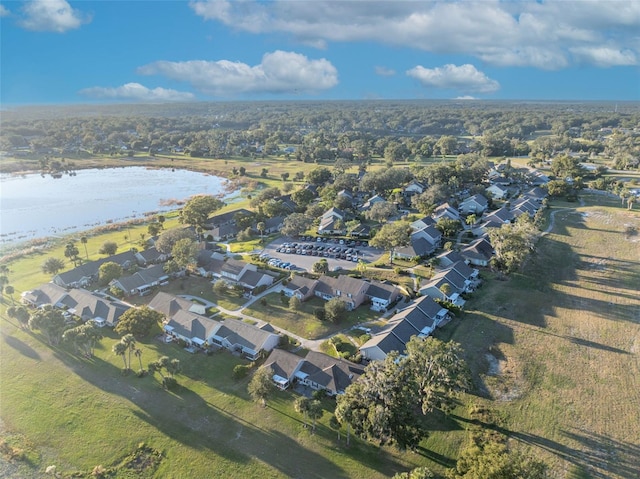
(303, 323)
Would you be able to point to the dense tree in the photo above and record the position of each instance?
(83, 337)
(109, 271)
(50, 322)
(392, 236)
(301, 405)
(198, 208)
(108, 248)
(512, 243)
(138, 321)
(564, 166)
(335, 310)
(167, 240)
(427, 201)
(385, 403)
(296, 224)
(417, 473)
(448, 227)
(261, 226)
(381, 211)
(184, 252)
(314, 411)
(319, 176)
(21, 314)
(302, 197)
(294, 303)
(220, 287)
(9, 290)
(261, 385)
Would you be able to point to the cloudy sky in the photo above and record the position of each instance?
(59, 51)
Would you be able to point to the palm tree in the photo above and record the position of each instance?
(84, 240)
(446, 289)
(120, 349)
(138, 354)
(261, 227)
(301, 406)
(315, 412)
(129, 342)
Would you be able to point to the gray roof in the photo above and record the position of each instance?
(150, 255)
(332, 373)
(233, 266)
(191, 325)
(227, 217)
(142, 277)
(479, 249)
(428, 306)
(168, 304)
(283, 363)
(243, 334)
(344, 284)
(48, 293)
(300, 283)
(381, 290)
(386, 342)
(89, 306)
(462, 268)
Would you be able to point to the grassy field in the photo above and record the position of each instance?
(555, 348)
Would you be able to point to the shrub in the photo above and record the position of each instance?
(241, 371)
(320, 314)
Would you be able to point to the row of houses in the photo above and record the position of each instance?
(185, 320)
(77, 302)
(87, 273)
(352, 291)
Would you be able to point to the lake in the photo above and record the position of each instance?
(33, 206)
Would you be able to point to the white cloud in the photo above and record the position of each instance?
(384, 71)
(279, 72)
(138, 92)
(4, 12)
(465, 78)
(521, 33)
(605, 56)
(465, 97)
(51, 16)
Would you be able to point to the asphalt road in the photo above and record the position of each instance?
(303, 262)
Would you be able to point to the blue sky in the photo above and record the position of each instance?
(59, 51)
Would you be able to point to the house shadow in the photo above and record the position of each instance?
(187, 418)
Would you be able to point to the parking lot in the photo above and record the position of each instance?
(303, 253)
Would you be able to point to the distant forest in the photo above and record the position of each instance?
(324, 131)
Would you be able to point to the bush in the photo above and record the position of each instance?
(320, 314)
(241, 371)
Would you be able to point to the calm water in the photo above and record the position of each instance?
(32, 206)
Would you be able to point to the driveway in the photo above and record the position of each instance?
(305, 262)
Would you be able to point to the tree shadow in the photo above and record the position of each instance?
(22, 347)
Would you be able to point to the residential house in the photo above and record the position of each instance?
(223, 232)
(361, 231)
(89, 306)
(524, 206)
(447, 258)
(372, 201)
(418, 247)
(284, 366)
(244, 274)
(210, 263)
(423, 223)
(142, 281)
(536, 194)
(474, 204)
(191, 327)
(455, 286)
(301, 287)
(245, 338)
(498, 192)
(46, 294)
(431, 234)
(381, 344)
(382, 295)
(350, 290)
(271, 225)
(478, 253)
(227, 218)
(151, 256)
(446, 211)
(87, 273)
(168, 304)
(431, 309)
(332, 375)
(412, 188)
(332, 222)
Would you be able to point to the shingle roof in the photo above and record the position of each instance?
(283, 363)
(48, 293)
(191, 325)
(332, 373)
(168, 304)
(381, 290)
(244, 334)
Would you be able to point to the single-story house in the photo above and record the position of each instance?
(142, 281)
(478, 253)
(191, 327)
(474, 204)
(382, 295)
(497, 192)
(238, 336)
(350, 290)
(322, 372)
(48, 293)
(300, 286)
(168, 304)
(89, 306)
(436, 288)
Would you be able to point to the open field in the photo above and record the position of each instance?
(555, 349)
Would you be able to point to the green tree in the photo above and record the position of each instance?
(71, 252)
(381, 211)
(301, 405)
(261, 385)
(138, 354)
(302, 197)
(417, 473)
(261, 227)
(314, 412)
(84, 241)
(319, 176)
(294, 303)
(512, 243)
(50, 322)
(52, 266)
(220, 287)
(198, 208)
(108, 248)
(120, 349)
(335, 310)
(295, 224)
(184, 252)
(321, 266)
(167, 240)
(138, 321)
(448, 227)
(154, 229)
(21, 314)
(83, 337)
(9, 290)
(109, 271)
(130, 343)
(392, 236)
